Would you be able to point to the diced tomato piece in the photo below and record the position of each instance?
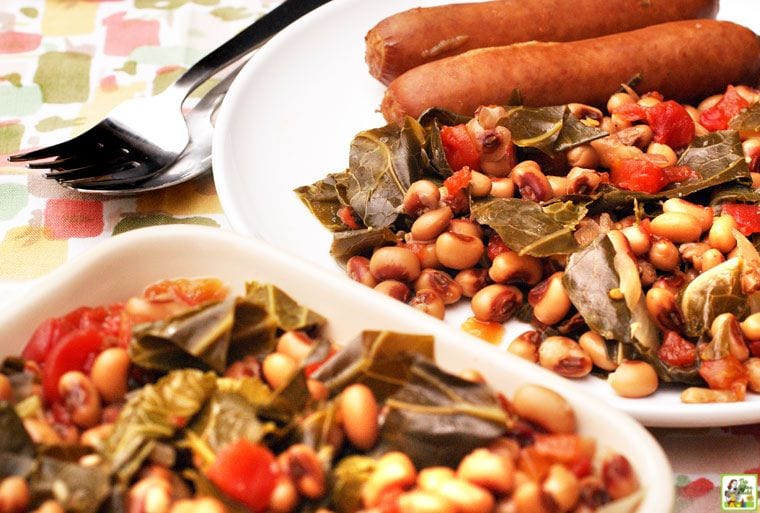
(458, 181)
(346, 215)
(747, 216)
(460, 147)
(678, 174)
(719, 115)
(677, 351)
(724, 373)
(670, 123)
(637, 175)
(495, 247)
(191, 292)
(631, 112)
(75, 351)
(247, 472)
(44, 338)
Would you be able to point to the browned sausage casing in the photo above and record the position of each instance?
(410, 38)
(683, 60)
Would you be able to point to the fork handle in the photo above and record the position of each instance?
(244, 42)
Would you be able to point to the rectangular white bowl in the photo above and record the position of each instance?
(125, 264)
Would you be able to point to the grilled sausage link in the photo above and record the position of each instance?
(413, 37)
(683, 60)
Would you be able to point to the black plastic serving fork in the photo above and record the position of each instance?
(144, 135)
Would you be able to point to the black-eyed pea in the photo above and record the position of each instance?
(639, 136)
(702, 395)
(526, 345)
(755, 176)
(617, 100)
(751, 326)
(301, 463)
(496, 303)
(198, 505)
(95, 436)
(618, 476)
(50, 506)
(421, 196)
(562, 485)
(596, 348)
(549, 299)
(663, 308)
(677, 227)
(721, 235)
(109, 374)
(423, 501)
(582, 181)
(544, 407)
(480, 185)
(358, 413)
(708, 102)
(296, 344)
(750, 94)
(425, 252)
(432, 223)
(664, 155)
(582, 156)
(430, 478)
(564, 356)
(664, 255)
(751, 149)
(702, 214)
(357, 268)
(150, 494)
(14, 495)
(529, 498)
(648, 100)
(393, 469)
(502, 187)
(472, 375)
(560, 185)
(458, 251)
(510, 266)
(467, 497)
(726, 328)
(80, 398)
(711, 258)
(6, 389)
(278, 368)
(617, 123)
(394, 263)
(531, 181)
(633, 378)
(395, 289)
(638, 238)
(284, 498)
(430, 302)
(41, 432)
(317, 390)
(466, 227)
(442, 283)
(471, 281)
(692, 252)
(489, 470)
(582, 111)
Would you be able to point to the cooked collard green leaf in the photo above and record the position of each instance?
(437, 418)
(748, 120)
(548, 129)
(528, 228)
(323, 198)
(380, 359)
(357, 242)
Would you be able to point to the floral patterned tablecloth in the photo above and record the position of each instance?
(65, 63)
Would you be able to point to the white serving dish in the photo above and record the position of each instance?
(288, 120)
(124, 265)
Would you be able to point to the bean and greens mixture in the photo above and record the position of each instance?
(626, 237)
(187, 399)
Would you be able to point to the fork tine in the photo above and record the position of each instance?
(127, 174)
(47, 152)
(91, 169)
